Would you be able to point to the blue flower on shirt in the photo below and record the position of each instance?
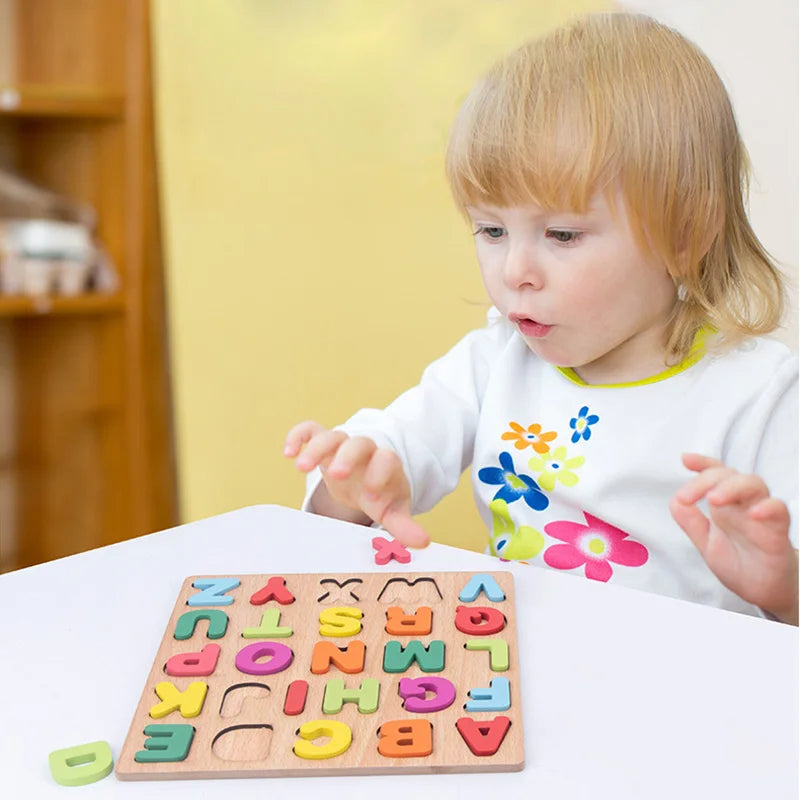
(582, 424)
(513, 486)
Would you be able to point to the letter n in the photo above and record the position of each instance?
(348, 659)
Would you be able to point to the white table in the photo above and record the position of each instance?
(626, 694)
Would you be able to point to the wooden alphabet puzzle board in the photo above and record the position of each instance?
(374, 673)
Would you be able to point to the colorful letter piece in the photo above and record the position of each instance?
(388, 549)
(482, 583)
(274, 590)
(81, 764)
(280, 657)
(406, 738)
(295, 702)
(479, 620)
(485, 737)
(339, 733)
(397, 658)
(498, 652)
(341, 621)
(189, 702)
(217, 623)
(269, 627)
(496, 698)
(400, 624)
(366, 696)
(348, 659)
(193, 665)
(165, 743)
(213, 591)
(415, 690)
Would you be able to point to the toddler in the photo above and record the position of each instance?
(624, 417)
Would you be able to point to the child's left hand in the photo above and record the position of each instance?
(746, 540)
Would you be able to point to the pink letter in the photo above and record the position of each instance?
(279, 654)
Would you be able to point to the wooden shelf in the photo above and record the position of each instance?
(32, 100)
(21, 306)
(86, 441)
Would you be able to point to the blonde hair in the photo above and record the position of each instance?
(620, 101)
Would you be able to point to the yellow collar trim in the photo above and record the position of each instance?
(696, 352)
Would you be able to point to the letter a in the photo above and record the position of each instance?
(485, 737)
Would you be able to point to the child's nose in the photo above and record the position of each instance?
(522, 268)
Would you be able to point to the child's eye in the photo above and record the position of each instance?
(562, 236)
(490, 231)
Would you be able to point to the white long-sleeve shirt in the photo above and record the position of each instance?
(578, 478)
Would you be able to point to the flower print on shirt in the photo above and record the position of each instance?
(532, 436)
(513, 486)
(509, 542)
(596, 545)
(582, 424)
(556, 466)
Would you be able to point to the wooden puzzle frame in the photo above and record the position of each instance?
(299, 674)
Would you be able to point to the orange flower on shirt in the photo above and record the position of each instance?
(531, 436)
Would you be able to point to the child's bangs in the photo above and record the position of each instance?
(515, 143)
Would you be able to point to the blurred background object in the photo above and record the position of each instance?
(86, 454)
(47, 244)
(20, 198)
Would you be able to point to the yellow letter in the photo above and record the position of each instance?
(342, 621)
(339, 733)
(189, 702)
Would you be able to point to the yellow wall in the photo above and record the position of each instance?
(315, 261)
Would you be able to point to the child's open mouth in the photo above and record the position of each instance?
(530, 327)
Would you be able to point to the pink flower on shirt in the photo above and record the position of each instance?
(597, 545)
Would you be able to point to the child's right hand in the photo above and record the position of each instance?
(358, 477)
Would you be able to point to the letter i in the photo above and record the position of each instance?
(295, 702)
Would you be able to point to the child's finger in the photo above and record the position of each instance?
(384, 471)
(692, 520)
(354, 454)
(697, 487)
(320, 449)
(698, 462)
(299, 435)
(405, 529)
(386, 497)
(771, 510)
(396, 518)
(738, 489)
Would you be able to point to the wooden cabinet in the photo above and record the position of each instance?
(86, 445)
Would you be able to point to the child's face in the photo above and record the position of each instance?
(577, 287)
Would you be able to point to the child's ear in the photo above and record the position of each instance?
(698, 238)
(693, 246)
